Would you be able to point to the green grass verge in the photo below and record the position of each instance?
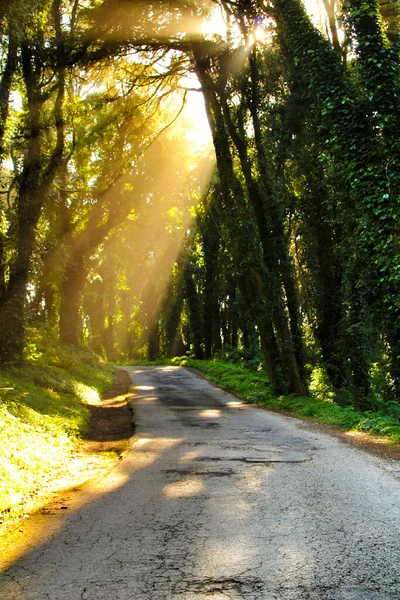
(253, 387)
(43, 414)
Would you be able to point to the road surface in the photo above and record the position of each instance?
(221, 501)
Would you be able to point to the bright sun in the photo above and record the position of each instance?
(215, 24)
(199, 133)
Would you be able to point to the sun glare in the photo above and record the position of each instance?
(179, 175)
(260, 35)
(217, 25)
(214, 25)
(198, 133)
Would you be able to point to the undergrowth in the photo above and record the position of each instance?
(43, 414)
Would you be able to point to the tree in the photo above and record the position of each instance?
(38, 170)
(294, 244)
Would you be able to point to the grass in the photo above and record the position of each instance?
(43, 415)
(253, 387)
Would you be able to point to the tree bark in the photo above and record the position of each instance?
(210, 237)
(12, 302)
(34, 184)
(5, 87)
(70, 323)
(250, 282)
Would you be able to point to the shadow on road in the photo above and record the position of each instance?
(178, 520)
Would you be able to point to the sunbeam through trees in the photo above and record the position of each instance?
(205, 178)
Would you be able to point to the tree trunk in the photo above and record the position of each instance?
(70, 324)
(243, 243)
(5, 87)
(393, 337)
(153, 343)
(278, 245)
(274, 254)
(210, 236)
(12, 302)
(95, 309)
(34, 184)
(196, 321)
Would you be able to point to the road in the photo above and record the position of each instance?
(220, 501)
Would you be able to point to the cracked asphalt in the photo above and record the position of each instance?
(218, 500)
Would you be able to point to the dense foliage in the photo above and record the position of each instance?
(115, 235)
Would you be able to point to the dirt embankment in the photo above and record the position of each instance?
(111, 422)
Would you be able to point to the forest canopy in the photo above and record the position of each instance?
(124, 229)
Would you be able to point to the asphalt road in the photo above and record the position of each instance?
(217, 501)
